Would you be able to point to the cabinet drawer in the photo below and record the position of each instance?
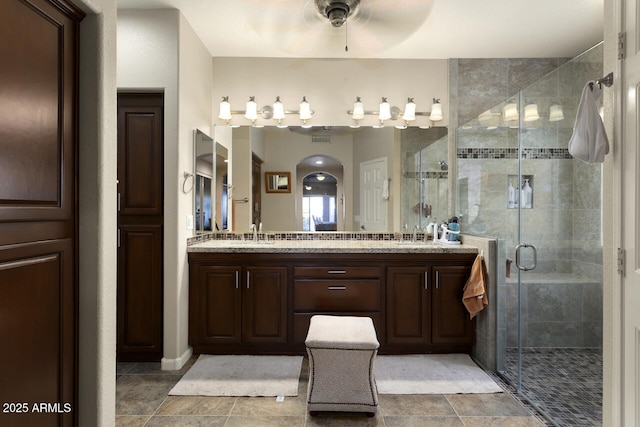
(336, 295)
(336, 272)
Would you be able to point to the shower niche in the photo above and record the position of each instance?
(520, 192)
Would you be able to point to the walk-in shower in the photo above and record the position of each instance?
(519, 184)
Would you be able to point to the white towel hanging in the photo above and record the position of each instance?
(589, 141)
(385, 189)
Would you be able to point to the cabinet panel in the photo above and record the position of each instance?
(450, 320)
(265, 305)
(336, 295)
(140, 293)
(336, 272)
(38, 329)
(219, 302)
(407, 305)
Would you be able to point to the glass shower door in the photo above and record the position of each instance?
(517, 183)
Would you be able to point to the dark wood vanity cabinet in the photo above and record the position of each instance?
(424, 306)
(236, 305)
(261, 303)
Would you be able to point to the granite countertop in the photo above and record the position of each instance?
(328, 246)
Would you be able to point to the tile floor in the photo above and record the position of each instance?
(142, 400)
(565, 382)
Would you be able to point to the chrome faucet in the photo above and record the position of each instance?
(414, 236)
(404, 228)
(255, 232)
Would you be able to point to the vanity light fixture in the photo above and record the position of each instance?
(510, 113)
(409, 111)
(436, 111)
(251, 109)
(275, 111)
(358, 111)
(225, 109)
(278, 110)
(555, 113)
(305, 112)
(384, 113)
(531, 113)
(388, 112)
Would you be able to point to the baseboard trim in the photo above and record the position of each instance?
(176, 364)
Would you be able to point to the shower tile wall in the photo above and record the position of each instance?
(564, 223)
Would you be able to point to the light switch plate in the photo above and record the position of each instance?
(189, 222)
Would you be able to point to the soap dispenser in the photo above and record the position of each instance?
(511, 196)
(527, 194)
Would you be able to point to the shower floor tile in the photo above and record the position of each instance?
(566, 383)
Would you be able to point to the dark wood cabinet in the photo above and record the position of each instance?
(424, 306)
(450, 323)
(261, 303)
(408, 302)
(236, 305)
(39, 211)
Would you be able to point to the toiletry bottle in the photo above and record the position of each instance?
(527, 195)
(511, 196)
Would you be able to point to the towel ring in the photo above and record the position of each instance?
(187, 175)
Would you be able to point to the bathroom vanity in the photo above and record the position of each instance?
(258, 298)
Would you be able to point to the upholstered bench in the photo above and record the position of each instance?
(342, 351)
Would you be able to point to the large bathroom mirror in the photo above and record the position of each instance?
(375, 179)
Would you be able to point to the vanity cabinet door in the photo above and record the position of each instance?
(216, 296)
(265, 305)
(408, 319)
(449, 318)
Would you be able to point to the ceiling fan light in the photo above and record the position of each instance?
(409, 111)
(305, 109)
(278, 109)
(385, 110)
(251, 109)
(358, 110)
(225, 109)
(436, 111)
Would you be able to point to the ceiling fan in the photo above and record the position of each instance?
(323, 28)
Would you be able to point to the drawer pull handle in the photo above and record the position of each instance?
(337, 271)
(337, 288)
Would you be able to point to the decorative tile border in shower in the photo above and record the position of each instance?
(300, 236)
(512, 153)
(426, 175)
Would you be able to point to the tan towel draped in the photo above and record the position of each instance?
(474, 296)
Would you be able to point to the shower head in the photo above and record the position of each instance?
(443, 165)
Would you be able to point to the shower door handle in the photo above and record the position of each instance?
(535, 257)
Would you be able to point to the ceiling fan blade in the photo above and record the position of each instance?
(298, 28)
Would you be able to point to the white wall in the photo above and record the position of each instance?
(330, 86)
(158, 50)
(97, 199)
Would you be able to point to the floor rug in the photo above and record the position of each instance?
(431, 374)
(241, 376)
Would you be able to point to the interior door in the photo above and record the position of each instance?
(373, 207)
(140, 226)
(630, 218)
(38, 212)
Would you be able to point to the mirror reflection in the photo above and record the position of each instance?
(203, 173)
(329, 179)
